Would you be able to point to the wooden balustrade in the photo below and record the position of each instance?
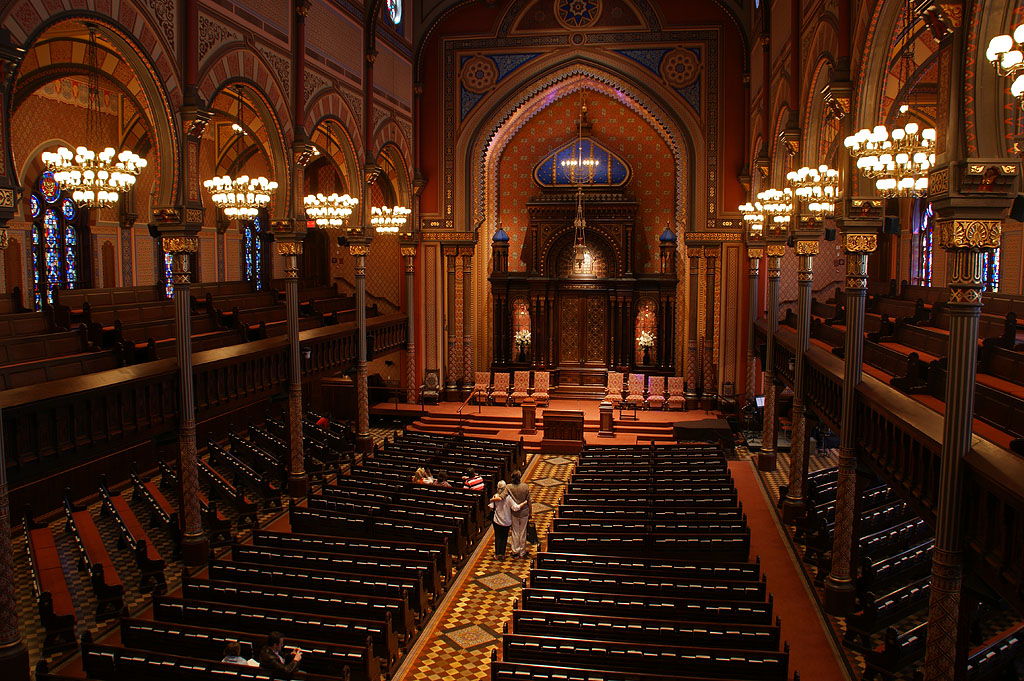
(902, 441)
(70, 431)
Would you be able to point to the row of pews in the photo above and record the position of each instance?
(349, 573)
(88, 330)
(646, 577)
(906, 341)
(894, 548)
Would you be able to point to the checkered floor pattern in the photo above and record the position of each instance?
(457, 643)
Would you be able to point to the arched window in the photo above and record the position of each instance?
(252, 251)
(924, 244)
(990, 270)
(59, 237)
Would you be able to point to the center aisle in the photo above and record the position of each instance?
(812, 650)
(467, 625)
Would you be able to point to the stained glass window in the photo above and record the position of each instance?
(168, 276)
(926, 241)
(990, 270)
(253, 252)
(57, 241)
(395, 11)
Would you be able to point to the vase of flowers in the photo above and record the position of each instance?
(646, 341)
(522, 340)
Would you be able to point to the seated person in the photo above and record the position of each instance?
(422, 476)
(442, 479)
(273, 658)
(473, 481)
(323, 423)
(233, 655)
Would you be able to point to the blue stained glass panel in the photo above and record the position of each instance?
(51, 252)
(70, 261)
(561, 168)
(257, 226)
(34, 205)
(168, 276)
(35, 264)
(68, 208)
(48, 187)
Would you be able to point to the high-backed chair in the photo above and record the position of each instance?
(499, 391)
(520, 387)
(482, 386)
(614, 391)
(430, 390)
(636, 390)
(541, 380)
(676, 392)
(655, 392)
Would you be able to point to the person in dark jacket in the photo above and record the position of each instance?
(273, 658)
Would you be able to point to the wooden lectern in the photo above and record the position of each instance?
(563, 432)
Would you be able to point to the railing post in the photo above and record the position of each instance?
(967, 242)
(766, 458)
(859, 240)
(795, 504)
(411, 384)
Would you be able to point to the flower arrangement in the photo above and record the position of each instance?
(522, 337)
(646, 339)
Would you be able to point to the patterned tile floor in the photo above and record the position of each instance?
(458, 642)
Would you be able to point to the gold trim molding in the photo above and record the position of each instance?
(755, 253)
(775, 250)
(860, 243)
(358, 250)
(181, 244)
(807, 248)
(289, 247)
(983, 234)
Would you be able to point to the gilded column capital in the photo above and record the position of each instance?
(775, 250)
(970, 234)
(289, 247)
(181, 244)
(860, 243)
(807, 247)
(358, 250)
(409, 251)
(856, 270)
(755, 253)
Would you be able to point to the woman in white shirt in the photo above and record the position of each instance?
(502, 520)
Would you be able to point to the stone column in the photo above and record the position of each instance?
(411, 384)
(364, 443)
(754, 254)
(451, 384)
(709, 397)
(694, 254)
(298, 481)
(468, 379)
(194, 545)
(795, 503)
(840, 585)
(967, 242)
(766, 458)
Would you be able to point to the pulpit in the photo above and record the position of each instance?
(563, 432)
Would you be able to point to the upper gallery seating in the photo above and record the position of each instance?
(89, 330)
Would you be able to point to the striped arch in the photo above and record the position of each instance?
(777, 172)
(816, 117)
(400, 177)
(389, 132)
(132, 58)
(332, 105)
(241, 63)
(343, 155)
(134, 23)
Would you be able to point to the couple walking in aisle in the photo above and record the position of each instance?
(511, 504)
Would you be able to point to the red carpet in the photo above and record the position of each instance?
(811, 651)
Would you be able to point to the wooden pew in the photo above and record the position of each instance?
(636, 584)
(654, 606)
(162, 513)
(56, 609)
(897, 652)
(245, 475)
(151, 565)
(106, 583)
(883, 610)
(649, 657)
(218, 526)
(355, 662)
(320, 521)
(660, 566)
(221, 488)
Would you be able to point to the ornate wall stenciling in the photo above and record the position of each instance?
(577, 14)
(212, 34)
(313, 83)
(479, 73)
(282, 67)
(569, 346)
(680, 68)
(163, 10)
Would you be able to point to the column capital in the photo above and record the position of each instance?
(861, 212)
(302, 151)
(358, 249)
(755, 253)
(970, 234)
(859, 242)
(288, 247)
(178, 220)
(838, 96)
(289, 229)
(806, 247)
(180, 244)
(409, 251)
(775, 250)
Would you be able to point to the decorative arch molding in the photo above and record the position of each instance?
(989, 114)
(128, 33)
(351, 162)
(332, 105)
(815, 116)
(777, 171)
(240, 63)
(399, 160)
(491, 128)
(389, 132)
(275, 136)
